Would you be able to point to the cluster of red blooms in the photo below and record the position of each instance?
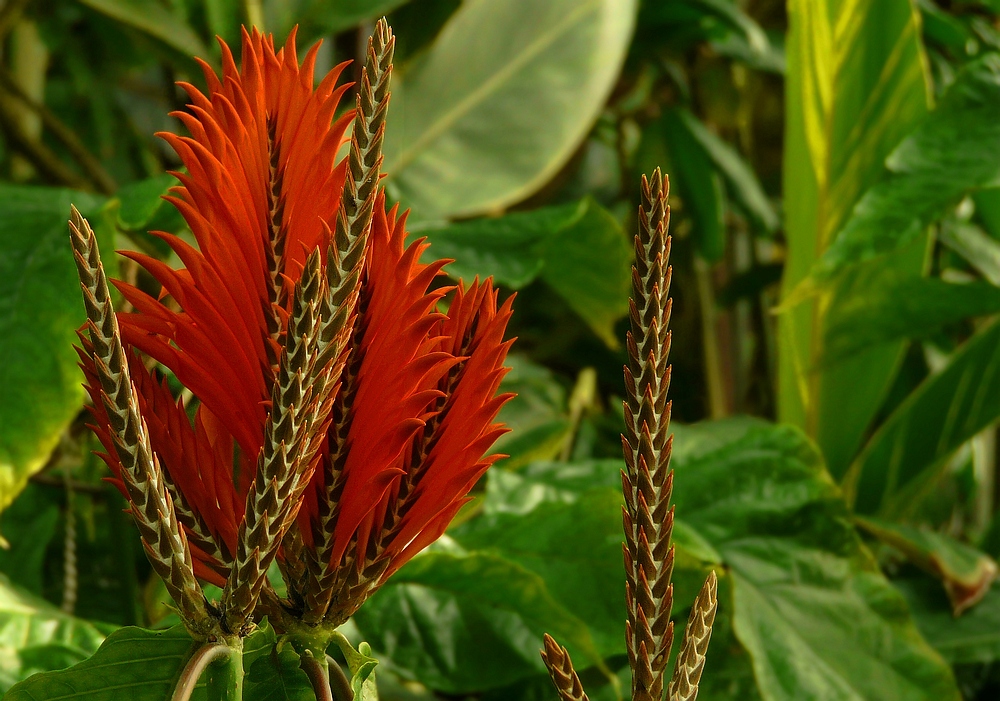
(412, 412)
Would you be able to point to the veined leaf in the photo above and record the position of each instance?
(973, 638)
(467, 622)
(856, 86)
(888, 307)
(40, 310)
(37, 637)
(579, 250)
(946, 410)
(132, 663)
(967, 573)
(810, 607)
(949, 154)
(501, 100)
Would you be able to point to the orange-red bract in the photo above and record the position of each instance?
(419, 394)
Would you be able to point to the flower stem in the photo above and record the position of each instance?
(225, 680)
(339, 683)
(319, 676)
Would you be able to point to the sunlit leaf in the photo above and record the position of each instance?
(503, 97)
(154, 19)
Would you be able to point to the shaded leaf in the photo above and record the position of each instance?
(969, 639)
(272, 669)
(132, 663)
(154, 19)
(945, 411)
(40, 310)
(501, 100)
(537, 416)
(891, 307)
(980, 250)
(35, 636)
(967, 573)
(467, 622)
(741, 181)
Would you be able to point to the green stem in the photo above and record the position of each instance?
(340, 685)
(225, 673)
(319, 675)
(710, 341)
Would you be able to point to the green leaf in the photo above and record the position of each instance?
(362, 666)
(506, 248)
(37, 637)
(973, 638)
(28, 525)
(468, 622)
(856, 86)
(589, 264)
(946, 410)
(132, 663)
(888, 307)
(40, 310)
(741, 181)
(949, 154)
(574, 545)
(325, 17)
(273, 671)
(699, 184)
(501, 100)
(142, 200)
(537, 416)
(578, 250)
(980, 250)
(966, 573)
(810, 607)
(154, 19)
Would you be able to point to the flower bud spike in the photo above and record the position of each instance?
(150, 503)
(691, 659)
(560, 667)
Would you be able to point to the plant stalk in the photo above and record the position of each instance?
(319, 676)
(225, 678)
(340, 685)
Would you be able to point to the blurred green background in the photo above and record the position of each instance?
(835, 173)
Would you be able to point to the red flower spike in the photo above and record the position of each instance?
(413, 389)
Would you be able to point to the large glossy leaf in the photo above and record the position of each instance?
(579, 250)
(154, 19)
(816, 616)
(949, 154)
(466, 622)
(501, 100)
(40, 310)
(856, 86)
(36, 637)
(947, 409)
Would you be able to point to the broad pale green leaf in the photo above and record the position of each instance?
(856, 86)
(946, 410)
(949, 154)
(501, 100)
(132, 663)
(40, 310)
(154, 19)
(578, 250)
(699, 184)
(467, 622)
(37, 637)
(809, 605)
(973, 638)
(888, 307)
(967, 573)
(741, 181)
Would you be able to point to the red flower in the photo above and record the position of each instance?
(413, 411)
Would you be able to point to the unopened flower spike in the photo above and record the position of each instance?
(136, 467)
(647, 482)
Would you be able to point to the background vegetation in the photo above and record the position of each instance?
(836, 218)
